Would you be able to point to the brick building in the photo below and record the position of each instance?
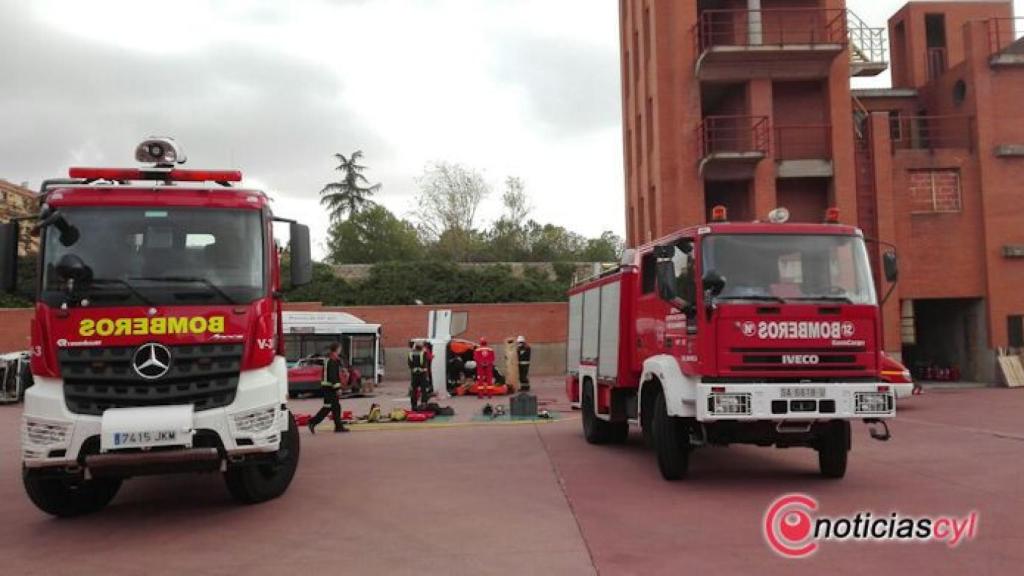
(18, 201)
(747, 103)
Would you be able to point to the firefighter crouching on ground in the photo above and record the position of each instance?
(484, 358)
(419, 387)
(335, 376)
(523, 352)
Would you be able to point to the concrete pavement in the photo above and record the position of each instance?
(486, 499)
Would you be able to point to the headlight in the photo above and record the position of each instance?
(257, 421)
(45, 433)
(729, 404)
(873, 402)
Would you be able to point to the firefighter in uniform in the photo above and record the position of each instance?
(484, 358)
(523, 352)
(419, 391)
(334, 376)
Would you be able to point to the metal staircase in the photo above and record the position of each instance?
(867, 47)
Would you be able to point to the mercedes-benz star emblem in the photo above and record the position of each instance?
(151, 361)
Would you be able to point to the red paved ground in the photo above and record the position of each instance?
(537, 499)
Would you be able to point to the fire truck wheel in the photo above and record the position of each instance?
(833, 448)
(671, 442)
(65, 497)
(262, 482)
(595, 430)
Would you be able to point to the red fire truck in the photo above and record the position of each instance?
(764, 333)
(157, 340)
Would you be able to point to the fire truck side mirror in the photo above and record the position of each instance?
(301, 259)
(8, 256)
(890, 265)
(713, 282)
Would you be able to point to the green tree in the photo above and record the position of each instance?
(507, 240)
(350, 194)
(372, 235)
(551, 243)
(450, 195)
(605, 248)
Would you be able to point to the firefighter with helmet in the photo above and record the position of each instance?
(484, 358)
(523, 353)
(419, 387)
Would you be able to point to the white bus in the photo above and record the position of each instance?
(309, 334)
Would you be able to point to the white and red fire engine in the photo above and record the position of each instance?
(157, 340)
(763, 333)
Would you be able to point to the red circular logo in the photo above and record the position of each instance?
(749, 329)
(789, 527)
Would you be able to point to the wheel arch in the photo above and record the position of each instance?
(663, 372)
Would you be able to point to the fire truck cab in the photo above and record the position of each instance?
(157, 340)
(764, 333)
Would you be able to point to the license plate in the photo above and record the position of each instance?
(815, 392)
(144, 439)
(150, 427)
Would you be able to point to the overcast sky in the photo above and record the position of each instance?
(512, 87)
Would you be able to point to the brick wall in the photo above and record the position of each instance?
(14, 329)
(543, 325)
(934, 191)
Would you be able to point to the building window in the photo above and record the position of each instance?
(650, 125)
(629, 152)
(652, 215)
(895, 126)
(959, 92)
(934, 191)
(636, 59)
(1015, 331)
(639, 137)
(647, 34)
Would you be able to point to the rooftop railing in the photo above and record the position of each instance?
(784, 26)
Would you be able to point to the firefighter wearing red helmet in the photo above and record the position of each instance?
(484, 358)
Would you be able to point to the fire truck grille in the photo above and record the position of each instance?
(799, 359)
(96, 379)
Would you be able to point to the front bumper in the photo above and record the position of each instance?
(794, 402)
(52, 436)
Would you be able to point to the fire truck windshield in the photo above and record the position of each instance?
(790, 267)
(156, 255)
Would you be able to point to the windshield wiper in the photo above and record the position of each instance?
(120, 282)
(191, 280)
(829, 298)
(755, 297)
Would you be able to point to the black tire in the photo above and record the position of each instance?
(598, 431)
(671, 442)
(68, 497)
(252, 484)
(833, 450)
(647, 419)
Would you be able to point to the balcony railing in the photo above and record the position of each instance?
(733, 135)
(867, 43)
(778, 27)
(932, 132)
(810, 142)
(937, 62)
(1004, 35)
